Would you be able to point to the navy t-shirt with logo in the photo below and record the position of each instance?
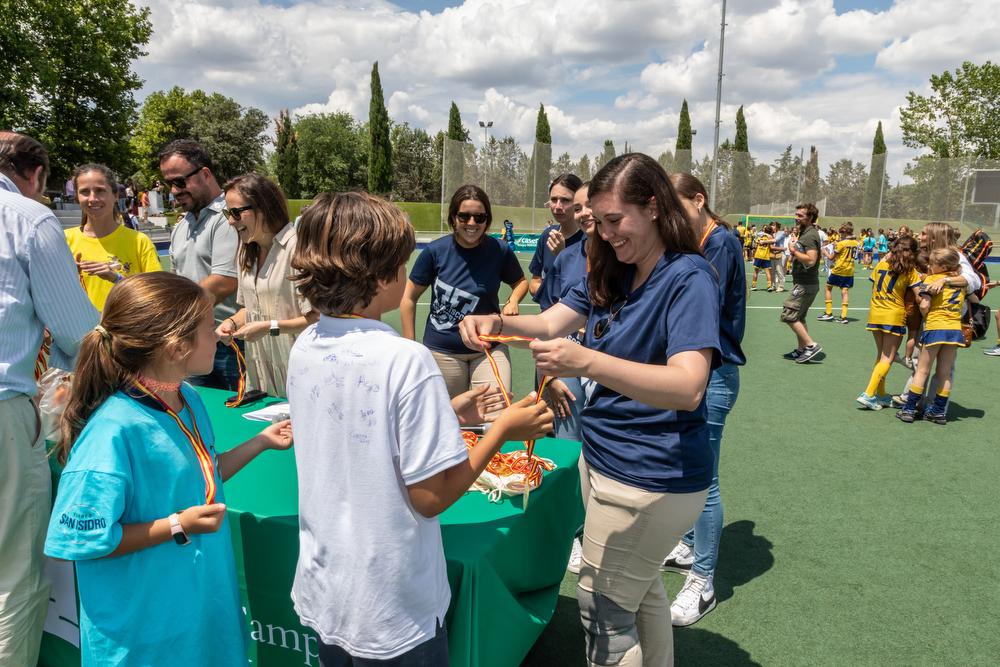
(542, 262)
(675, 310)
(463, 281)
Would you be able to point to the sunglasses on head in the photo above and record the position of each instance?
(181, 181)
(602, 325)
(235, 213)
(480, 218)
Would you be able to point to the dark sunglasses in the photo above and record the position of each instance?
(235, 213)
(602, 325)
(181, 181)
(480, 218)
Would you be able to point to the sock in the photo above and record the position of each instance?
(913, 397)
(753, 283)
(843, 311)
(878, 377)
(881, 387)
(941, 401)
(829, 306)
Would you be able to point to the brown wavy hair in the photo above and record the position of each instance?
(347, 243)
(144, 315)
(112, 181)
(904, 255)
(268, 201)
(636, 179)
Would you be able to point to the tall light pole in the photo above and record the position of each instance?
(718, 111)
(486, 129)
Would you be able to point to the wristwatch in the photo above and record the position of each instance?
(275, 330)
(177, 530)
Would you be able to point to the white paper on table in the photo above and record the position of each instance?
(267, 414)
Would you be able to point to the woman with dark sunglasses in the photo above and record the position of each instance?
(465, 270)
(650, 308)
(271, 313)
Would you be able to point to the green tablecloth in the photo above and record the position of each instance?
(504, 564)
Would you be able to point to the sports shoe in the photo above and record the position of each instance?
(905, 415)
(770, 289)
(885, 400)
(793, 355)
(843, 320)
(870, 402)
(696, 599)
(825, 317)
(936, 417)
(679, 560)
(898, 400)
(992, 351)
(809, 353)
(575, 556)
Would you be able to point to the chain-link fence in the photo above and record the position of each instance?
(962, 191)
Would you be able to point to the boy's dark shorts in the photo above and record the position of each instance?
(796, 306)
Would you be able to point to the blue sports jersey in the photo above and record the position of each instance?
(162, 605)
(868, 244)
(675, 310)
(883, 244)
(725, 254)
(567, 271)
(464, 281)
(542, 262)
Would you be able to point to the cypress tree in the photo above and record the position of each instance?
(456, 131)
(286, 155)
(741, 166)
(682, 151)
(876, 175)
(379, 146)
(810, 185)
(537, 187)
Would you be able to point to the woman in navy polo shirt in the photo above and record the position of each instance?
(698, 551)
(465, 270)
(650, 308)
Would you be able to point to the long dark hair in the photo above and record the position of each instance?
(465, 193)
(268, 201)
(687, 186)
(637, 179)
(904, 255)
(109, 177)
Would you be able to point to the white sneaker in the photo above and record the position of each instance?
(696, 599)
(679, 560)
(575, 556)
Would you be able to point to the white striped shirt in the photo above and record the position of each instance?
(39, 289)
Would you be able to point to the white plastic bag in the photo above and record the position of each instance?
(53, 393)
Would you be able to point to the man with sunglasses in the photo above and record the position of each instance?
(202, 244)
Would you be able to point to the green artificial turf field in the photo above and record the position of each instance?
(850, 538)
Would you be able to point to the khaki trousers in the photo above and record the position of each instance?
(25, 503)
(461, 371)
(626, 533)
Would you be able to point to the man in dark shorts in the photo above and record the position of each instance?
(805, 278)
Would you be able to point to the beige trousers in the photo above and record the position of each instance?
(626, 533)
(25, 503)
(461, 371)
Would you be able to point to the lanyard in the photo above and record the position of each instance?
(241, 385)
(193, 435)
(708, 232)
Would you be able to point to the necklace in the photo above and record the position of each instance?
(158, 386)
(348, 316)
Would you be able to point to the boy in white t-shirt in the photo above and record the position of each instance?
(378, 448)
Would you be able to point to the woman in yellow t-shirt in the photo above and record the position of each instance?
(105, 250)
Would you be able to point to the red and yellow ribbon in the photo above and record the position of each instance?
(193, 435)
(42, 360)
(241, 385)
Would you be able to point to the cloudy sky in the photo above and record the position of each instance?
(817, 72)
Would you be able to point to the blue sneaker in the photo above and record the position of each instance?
(885, 400)
(870, 402)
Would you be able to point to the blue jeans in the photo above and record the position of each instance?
(225, 374)
(723, 388)
(569, 428)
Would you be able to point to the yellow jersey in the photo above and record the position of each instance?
(946, 306)
(888, 291)
(128, 251)
(845, 252)
(741, 231)
(763, 246)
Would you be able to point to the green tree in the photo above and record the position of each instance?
(785, 176)
(877, 178)
(454, 149)
(413, 157)
(333, 153)
(667, 161)
(536, 191)
(456, 131)
(742, 165)
(682, 151)
(286, 155)
(607, 155)
(67, 77)
(232, 134)
(961, 116)
(844, 187)
(379, 146)
(583, 168)
(563, 165)
(810, 183)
